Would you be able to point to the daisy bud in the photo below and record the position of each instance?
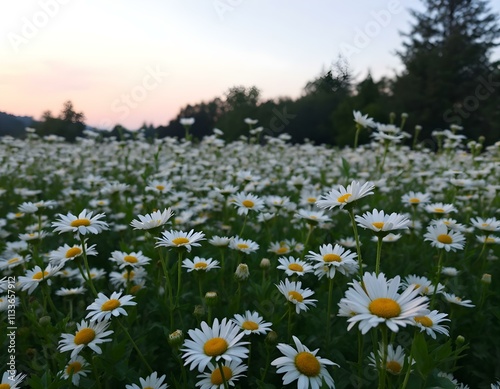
(242, 272)
(44, 321)
(199, 311)
(460, 340)
(265, 263)
(175, 339)
(211, 298)
(271, 339)
(486, 279)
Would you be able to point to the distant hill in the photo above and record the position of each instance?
(14, 125)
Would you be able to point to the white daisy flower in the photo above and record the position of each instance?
(76, 368)
(222, 341)
(247, 202)
(293, 292)
(312, 217)
(82, 224)
(441, 237)
(379, 222)
(332, 259)
(219, 241)
(67, 253)
(451, 298)
(11, 380)
(135, 277)
(430, 323)
(376, 300)
(395, 359)
(293, 266)
(150, 382)
(415, 198)
(252, 323)
(303, 366)
(70, 291)
(134, 259)
(200, 264)
(363, 120)
(440, 208)
(103, 308)
(423, 284)
(33, 277)
(246, 246)
(280, 248)
(485, 239)
(490, 224)
(213, 378)
(180, 239)
(87, 334)
(11, 259)
(152, 220)
(342, 197)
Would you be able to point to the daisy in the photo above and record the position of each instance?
(67, 253)
(247, 202)
(219, 241)
(34, 276)
(415, 198)
(76, 368)
(213, 378)
(70, 291)
(152, 220)
(246, 246)
(180, 239)
(135, 276)
(252, 323)
(490, 224)
(200, 264)
(485, 239)
(280, 248)
(293, 266)
(294, 293)
(312, 218)
(11, 260)
(135, 259)
(103, 307)
(440, 208)
(242, 272)
(451, 298)
(303, 366)
(363, 120)
(150, 382)
(87, 334)
(82, 224)
(430, 323)
(332, 259)
(29, 236)
(441, 237)
(342, 197)
(395, 359)
(159, 186)
(376, 300)
(220, 342)
(11, 381)
(423, 284)
(379, 222)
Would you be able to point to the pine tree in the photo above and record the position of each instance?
(449, 76)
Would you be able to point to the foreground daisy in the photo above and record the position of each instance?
(294, 293)
(213, 378)
(150, 382)
(342, 197)
(222, 341)
(180, 239)
(76, 368)
(252, 323)
(293, 266)
(82, 224)
(303, 366)
(103, 307)
(376, 300)
(152, 220)
(441, 237)
(87, 334)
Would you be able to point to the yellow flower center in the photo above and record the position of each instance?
(73, 252)
(215, 347)
(484, 225)
(384, 307)
(445, 239)
(4, 386)
(248, 203)
(439, 210)
(378, 225)
(80, 222)
(134, 289)
(330, 257)
(19, 214)
(40, 275)
(307, 364)
(180, 240)
(129, 275)
(424, 320)
(250, 325)
(73, 368)
(344, 198)
(489, 239)
(130, 259)
(311, 200)
(110, 305)
(414, 200)
(242, 246)
(282, 250)
(296, 296)
(160, 187)
(393, 367)
(84, 336)
(200, 265)
(216, 376)
(295, 267)
(13, 260)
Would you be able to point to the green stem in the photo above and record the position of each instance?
(179, 274)
(436, 278)
(87, 267)
(243, 226)
(358, 245)
(290, 312)
(329, 311)
(379, 253)
(383, 364)
(410, 360)
(141, 356)
(226, 386)
(360, 359)
(356, 136)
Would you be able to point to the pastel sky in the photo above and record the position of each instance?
(129, 62)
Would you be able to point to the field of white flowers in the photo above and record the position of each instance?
(257, 263)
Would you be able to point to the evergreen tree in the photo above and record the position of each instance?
(449, 75)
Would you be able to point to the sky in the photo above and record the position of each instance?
(130, 62)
